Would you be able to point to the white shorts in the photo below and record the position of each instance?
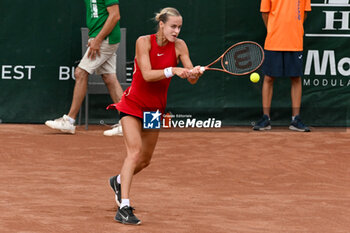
(106, 63)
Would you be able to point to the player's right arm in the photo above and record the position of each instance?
(265, 8)
(143, 46)
(112, 20)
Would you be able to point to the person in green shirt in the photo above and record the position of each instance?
(102, 19)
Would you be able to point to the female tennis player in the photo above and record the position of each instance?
(156, 58)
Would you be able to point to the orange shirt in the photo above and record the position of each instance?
(285, 29)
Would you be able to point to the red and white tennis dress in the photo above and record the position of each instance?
(149, 96)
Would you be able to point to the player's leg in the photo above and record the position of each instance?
(85, 67)
(88, 66)
(272, 68)
(79, 92)
(108, 71)
(293, 62)
(133, 143)
(116, 92)
(140, 146)
(66, 122)
(113, 85)
(149, 142)
(296, 92)
(267, 92)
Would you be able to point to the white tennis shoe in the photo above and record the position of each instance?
(116, 131)
(63, 124)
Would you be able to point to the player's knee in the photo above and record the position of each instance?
(79, 74)
(109, 79)
(295, 79)
(269, 79)
(135, 157)
(145, 163)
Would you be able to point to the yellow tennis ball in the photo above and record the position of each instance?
(254, 77)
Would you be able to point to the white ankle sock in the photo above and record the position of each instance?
(125, 202)
(118, 179)
(71, 120)
(293, 117)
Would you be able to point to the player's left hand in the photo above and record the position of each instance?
(196, 72)
(94, 48)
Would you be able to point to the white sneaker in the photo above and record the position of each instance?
(62, 124)
(116, 131)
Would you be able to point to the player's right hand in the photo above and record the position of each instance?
(182, 72)
(94, 48)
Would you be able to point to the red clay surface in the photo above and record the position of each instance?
(239, 181)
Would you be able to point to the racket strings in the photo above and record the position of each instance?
(243, 58)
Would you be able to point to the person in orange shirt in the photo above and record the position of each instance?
(284, 21)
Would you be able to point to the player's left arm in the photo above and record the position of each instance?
(184, 56)
(112, 20)
(305, 15)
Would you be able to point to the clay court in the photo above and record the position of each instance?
(233, 181)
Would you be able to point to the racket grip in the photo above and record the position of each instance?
(202, 68)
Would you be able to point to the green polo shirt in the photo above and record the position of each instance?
(96, 16)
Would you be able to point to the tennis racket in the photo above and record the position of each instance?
(240, 59)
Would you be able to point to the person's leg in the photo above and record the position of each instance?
(294, 69)
(80, 87)
(149, 142)
(108, 72)
(272, 68)
(139, 147)
(116, 92)
(66, 123)
(267, 92)
(296, 92)
(113, 85)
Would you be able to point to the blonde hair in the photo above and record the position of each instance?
(164, 14)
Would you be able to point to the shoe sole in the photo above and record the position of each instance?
(62, 130)
(111, 135)
(127, 223)
(111, 185)
(291, 127)
(262, 129)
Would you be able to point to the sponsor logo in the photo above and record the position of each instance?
(16, 72)
(325, 63)
(336, 18)
(160, 54)
(125, 218)
(242, 58)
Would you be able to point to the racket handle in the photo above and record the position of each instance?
(202, 68)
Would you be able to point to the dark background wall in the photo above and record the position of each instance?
(38, 38)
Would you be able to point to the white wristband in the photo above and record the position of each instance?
(168, 72)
